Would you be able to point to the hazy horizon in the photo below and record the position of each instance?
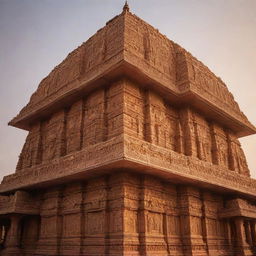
(37, 35)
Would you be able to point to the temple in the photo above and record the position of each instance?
(132, 149)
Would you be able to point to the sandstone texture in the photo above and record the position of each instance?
(132, 150)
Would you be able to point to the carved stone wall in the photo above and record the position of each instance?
(132, 150)
(125, 108)
(132, 214)
(129, 45)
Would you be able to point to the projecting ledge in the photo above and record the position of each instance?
(128, 153)
(238, 208)
(19, 203)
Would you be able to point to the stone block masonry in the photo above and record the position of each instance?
(133, 149)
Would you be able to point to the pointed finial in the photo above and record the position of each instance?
(126, 7)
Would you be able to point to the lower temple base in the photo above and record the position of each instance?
(131, 215)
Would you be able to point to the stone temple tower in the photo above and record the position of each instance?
(132, 150)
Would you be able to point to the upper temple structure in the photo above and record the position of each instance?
(132, 149)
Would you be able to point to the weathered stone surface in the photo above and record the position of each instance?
(128, 45)
(132, 150)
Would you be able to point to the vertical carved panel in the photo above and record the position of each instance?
(31, 151)
(237, 159)
(154, 223)
(188, 128)
(133, 110)
(95, 213)
(30, 227)
(148, 133)
(51, 228)
(74, 123)
(131, 214)
(115, 104)
(94, 122)
(203, 138)
(153, 215)
(95, 223)
(146, 44)
(191, 220)
(53, 143)
(220, 145)
(71, 205)
(155, 119)
(172, 132)
(182, 69)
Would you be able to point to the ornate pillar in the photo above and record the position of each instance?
(13, 236)
(253, 232)
(228, 233)
(248, 232)
(240, 237)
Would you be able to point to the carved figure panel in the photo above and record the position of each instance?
(75, 118)
(196, 225)
(95, 222)
(53, 136)
(96, 195)
(48, 227)
(130, 221)
(115, 102)
(212, 228)
(222, 145)
(188, 130)
(71, 225)
(173, 135)
(155, 119)
(133, 110)
(237, 159)
(154, 223)
(116, 221)
(72, 202)
(203, 138)
(173, 225)
(31, 152)
(94, 123)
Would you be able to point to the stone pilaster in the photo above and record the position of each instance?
(248, 232)
(253, 230)
(187, 124)
(241, 245)
(191, 222)
(13, 237)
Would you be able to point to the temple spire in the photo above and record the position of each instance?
(126, 7)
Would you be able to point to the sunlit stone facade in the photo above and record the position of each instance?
(132, 150)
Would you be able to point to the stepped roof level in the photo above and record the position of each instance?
(129, 46)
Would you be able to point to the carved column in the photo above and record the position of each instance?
(187, 124)
(215, 152)
(142, 215)
(253, 232)
(147, 116)
(204, 222)
(179, 139)
(240, 237)
(13, 238)
(248, 232)
(231, 153)
(228, 232)
(191, 222)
